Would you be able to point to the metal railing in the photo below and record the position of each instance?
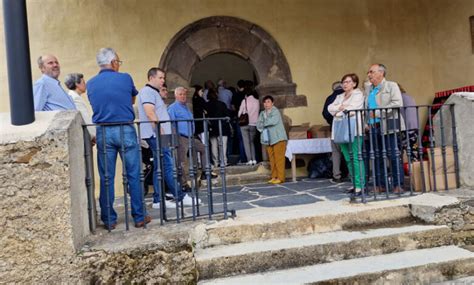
(390, 152)
(133, 151)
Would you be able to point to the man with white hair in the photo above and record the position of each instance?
(112, 94)
(48, 94)
(224, 94)
(185, 131)
(383, 125)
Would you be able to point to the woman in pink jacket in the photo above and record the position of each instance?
(251, 106)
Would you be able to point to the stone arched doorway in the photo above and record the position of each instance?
(222, 34)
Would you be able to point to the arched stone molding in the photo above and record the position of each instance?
(220, 34)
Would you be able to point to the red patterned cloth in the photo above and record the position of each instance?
(438, 101)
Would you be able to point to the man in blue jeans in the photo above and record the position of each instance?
(151, 107)
(112, 95)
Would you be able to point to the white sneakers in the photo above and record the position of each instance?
(168, 204)
(187, 201)
(251, 162)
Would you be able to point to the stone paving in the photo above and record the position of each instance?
(263, 195)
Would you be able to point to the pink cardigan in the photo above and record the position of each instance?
(253, 108)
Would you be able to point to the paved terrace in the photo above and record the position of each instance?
(311, 195)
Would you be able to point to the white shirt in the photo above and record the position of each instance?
(81, 106)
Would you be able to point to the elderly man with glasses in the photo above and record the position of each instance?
(112, 94)
(383, 125)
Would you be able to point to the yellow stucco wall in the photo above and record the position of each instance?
(425, 44)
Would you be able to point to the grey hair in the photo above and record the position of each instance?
(72, 79)
(40, 61)
(179, 89)
(382, 68)
(105, 56)
(336, 85)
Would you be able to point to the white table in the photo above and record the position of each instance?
(305, 146)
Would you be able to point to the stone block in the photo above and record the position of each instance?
(43, 202)
(237, 41)
(464, 117)
(204, 41)
(184, 58)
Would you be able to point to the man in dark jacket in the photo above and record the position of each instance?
(336, 150)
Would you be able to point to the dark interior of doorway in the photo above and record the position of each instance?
(227, 66)
(231, 68)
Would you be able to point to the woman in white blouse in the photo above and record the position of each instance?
(251, 106)
(351, 99)
(77, 86)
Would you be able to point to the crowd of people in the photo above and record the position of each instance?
(112, 95)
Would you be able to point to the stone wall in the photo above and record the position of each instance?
(464, 116)
(45, 236)
(43, 202)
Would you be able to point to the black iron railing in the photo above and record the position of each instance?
(133, 151)
(392, 157)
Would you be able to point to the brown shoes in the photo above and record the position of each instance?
(111, 227)
(398, 190)
(141, 224)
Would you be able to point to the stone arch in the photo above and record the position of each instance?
(220, 34)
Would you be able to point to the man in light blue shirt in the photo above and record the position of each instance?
(47, 91)
(185, 131)
(224, 94)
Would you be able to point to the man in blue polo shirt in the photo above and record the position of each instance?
(48, 94)
(112, 95)
(152, 108)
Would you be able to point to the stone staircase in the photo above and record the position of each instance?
(355, 244)
(246, 174)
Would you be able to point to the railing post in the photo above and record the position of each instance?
(89, 165)
(443, 148)
(433, 162)
(222, 169)
(455, 145)
(124, 177)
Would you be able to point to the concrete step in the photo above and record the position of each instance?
(421, 266)
(243, 174)
(261, 256)
(274, 223)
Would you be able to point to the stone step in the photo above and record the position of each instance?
(243, 174)
(261, 256)
(422, 266)
(282, 222)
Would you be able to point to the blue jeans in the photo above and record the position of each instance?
(396, 162)
(107, 162)
(166, 170)
(242, 152)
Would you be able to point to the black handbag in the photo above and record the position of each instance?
(244, 118)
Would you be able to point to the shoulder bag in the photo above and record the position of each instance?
(244, 118)
(344, 129)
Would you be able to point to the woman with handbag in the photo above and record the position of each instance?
(248, 116)
(349, 134)
(270, 124)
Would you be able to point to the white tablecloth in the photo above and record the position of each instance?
(321, 145)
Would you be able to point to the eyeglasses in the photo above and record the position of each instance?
(119, 62)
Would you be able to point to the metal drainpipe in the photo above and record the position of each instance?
(18, 62)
